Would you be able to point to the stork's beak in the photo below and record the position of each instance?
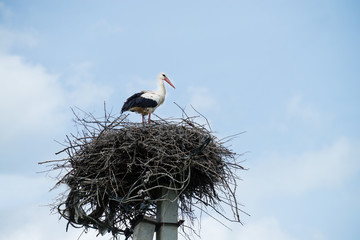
(169, 82)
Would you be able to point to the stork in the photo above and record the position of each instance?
(145, 102)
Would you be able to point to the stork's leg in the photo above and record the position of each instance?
(149, 118)
(143, 119)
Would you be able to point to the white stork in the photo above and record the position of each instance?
(145, 102)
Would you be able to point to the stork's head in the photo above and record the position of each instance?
(163, 77)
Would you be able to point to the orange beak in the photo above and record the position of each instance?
(169, 82)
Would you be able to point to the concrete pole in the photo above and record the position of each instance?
(145, 229)
(167, 216)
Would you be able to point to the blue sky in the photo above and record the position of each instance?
(286, 72)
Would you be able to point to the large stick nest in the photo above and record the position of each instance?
(115, 170)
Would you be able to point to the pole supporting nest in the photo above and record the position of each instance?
(167, 216)
(166, 223)
(178, 224)
(145, 229)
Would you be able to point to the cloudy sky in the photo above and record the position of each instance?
(286, 72)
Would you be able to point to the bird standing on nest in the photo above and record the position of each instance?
(145, 102)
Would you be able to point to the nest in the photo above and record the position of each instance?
(115, 170)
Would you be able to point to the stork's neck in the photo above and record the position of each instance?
(161, 90)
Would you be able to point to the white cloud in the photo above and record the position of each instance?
(108, 26)
(24, 210)
(327, 167)
(34, 101)
(9, 38)
(202, 99)
(296, 108)
(12, 37)
(83, 91)
(318, 236)
(33, 222)
(18, 189)
(267, 228)
(29, 97)
(5, 12)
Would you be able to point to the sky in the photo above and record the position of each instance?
(285, 72)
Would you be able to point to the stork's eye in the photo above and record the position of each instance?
(164, 75)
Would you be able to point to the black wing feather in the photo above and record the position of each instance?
(137, 101)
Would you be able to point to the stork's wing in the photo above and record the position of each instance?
(137, 100)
